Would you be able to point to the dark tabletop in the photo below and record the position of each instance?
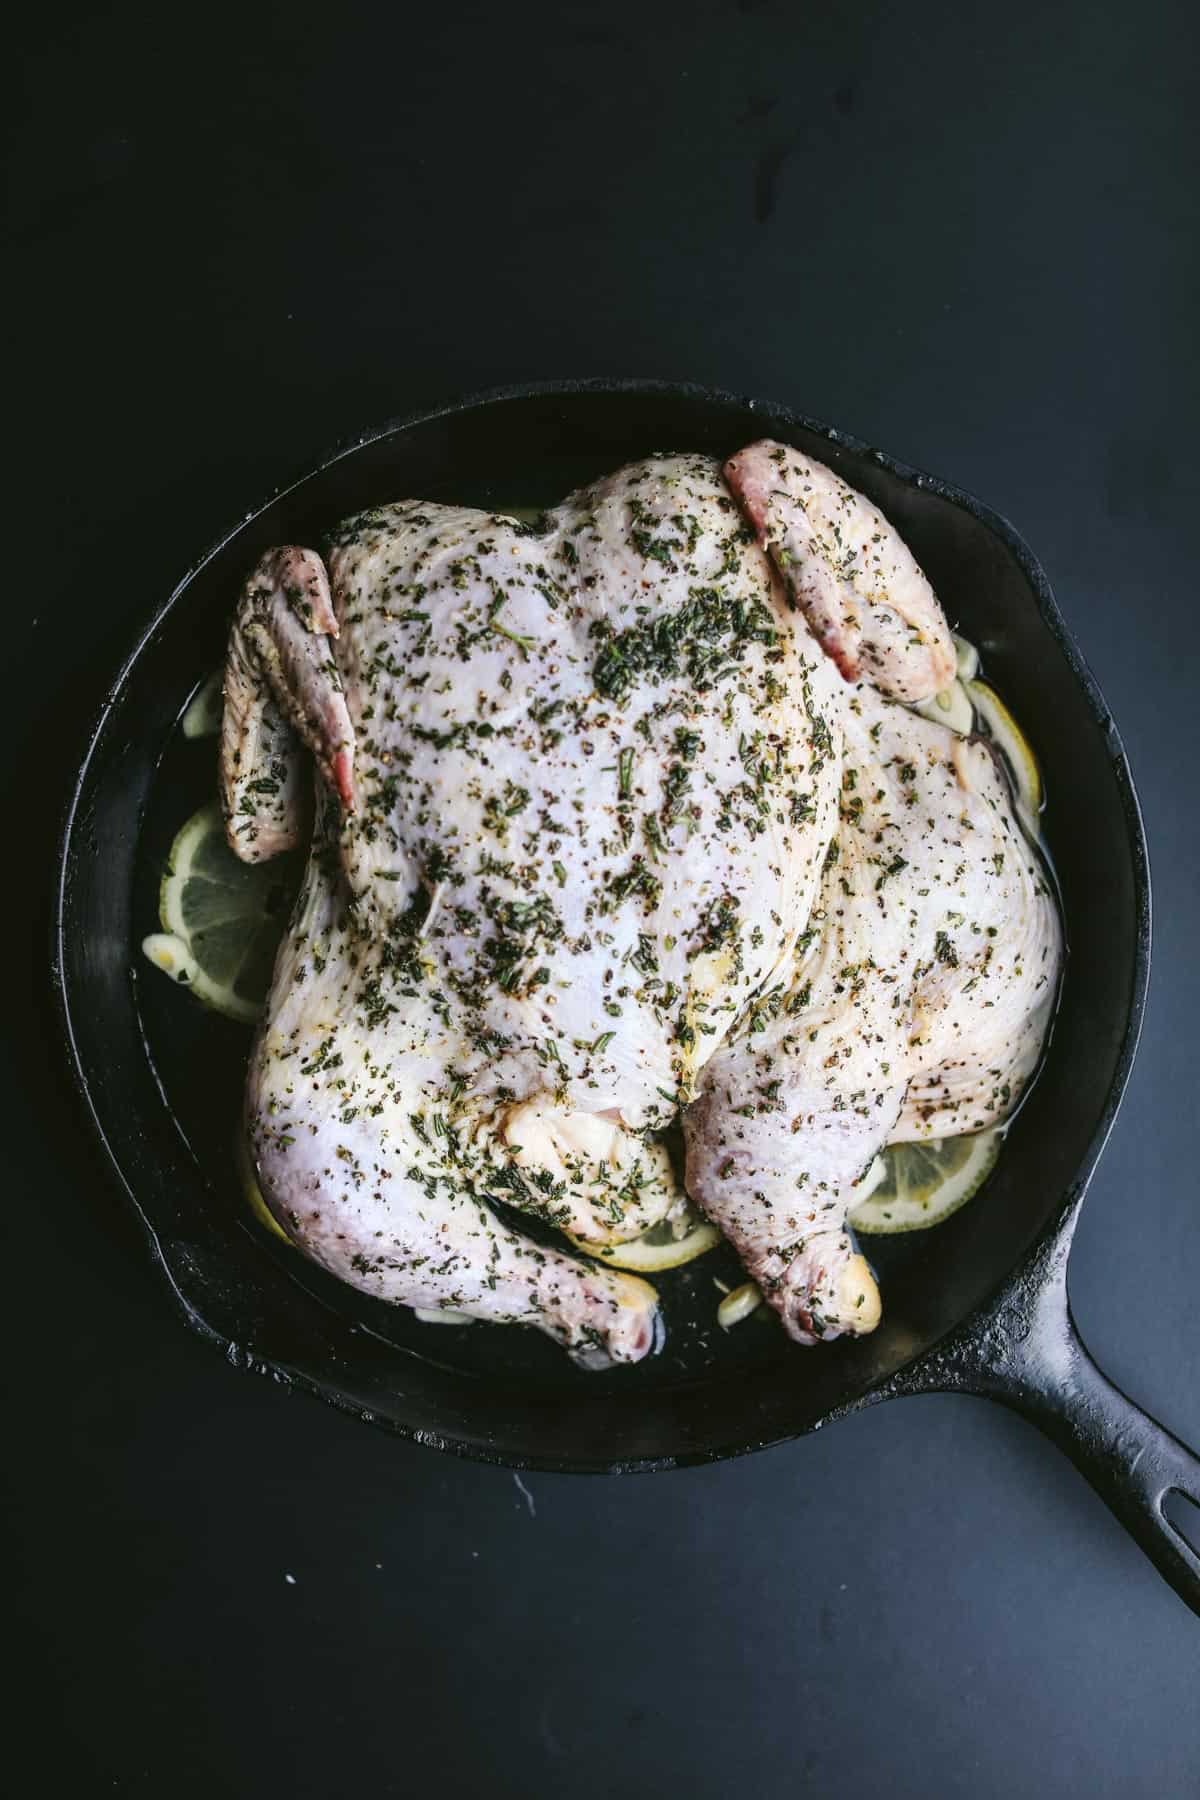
(966, 234)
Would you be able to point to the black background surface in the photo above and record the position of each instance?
(967, 234)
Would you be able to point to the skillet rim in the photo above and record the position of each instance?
(1021, 1282)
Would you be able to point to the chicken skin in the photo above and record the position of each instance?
(619, 816)
(923, 987)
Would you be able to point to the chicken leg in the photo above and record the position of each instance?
(922, 990)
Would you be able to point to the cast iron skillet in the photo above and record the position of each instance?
(979, 1305)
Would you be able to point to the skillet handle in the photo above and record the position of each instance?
(1026, 1353)
(1134, 1463)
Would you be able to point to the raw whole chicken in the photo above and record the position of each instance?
(620, 816)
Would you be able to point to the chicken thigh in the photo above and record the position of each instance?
(922, 989)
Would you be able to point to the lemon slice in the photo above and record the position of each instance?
(922, 1184)
(659, 1248)
(1013, 745)
(221, 919)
